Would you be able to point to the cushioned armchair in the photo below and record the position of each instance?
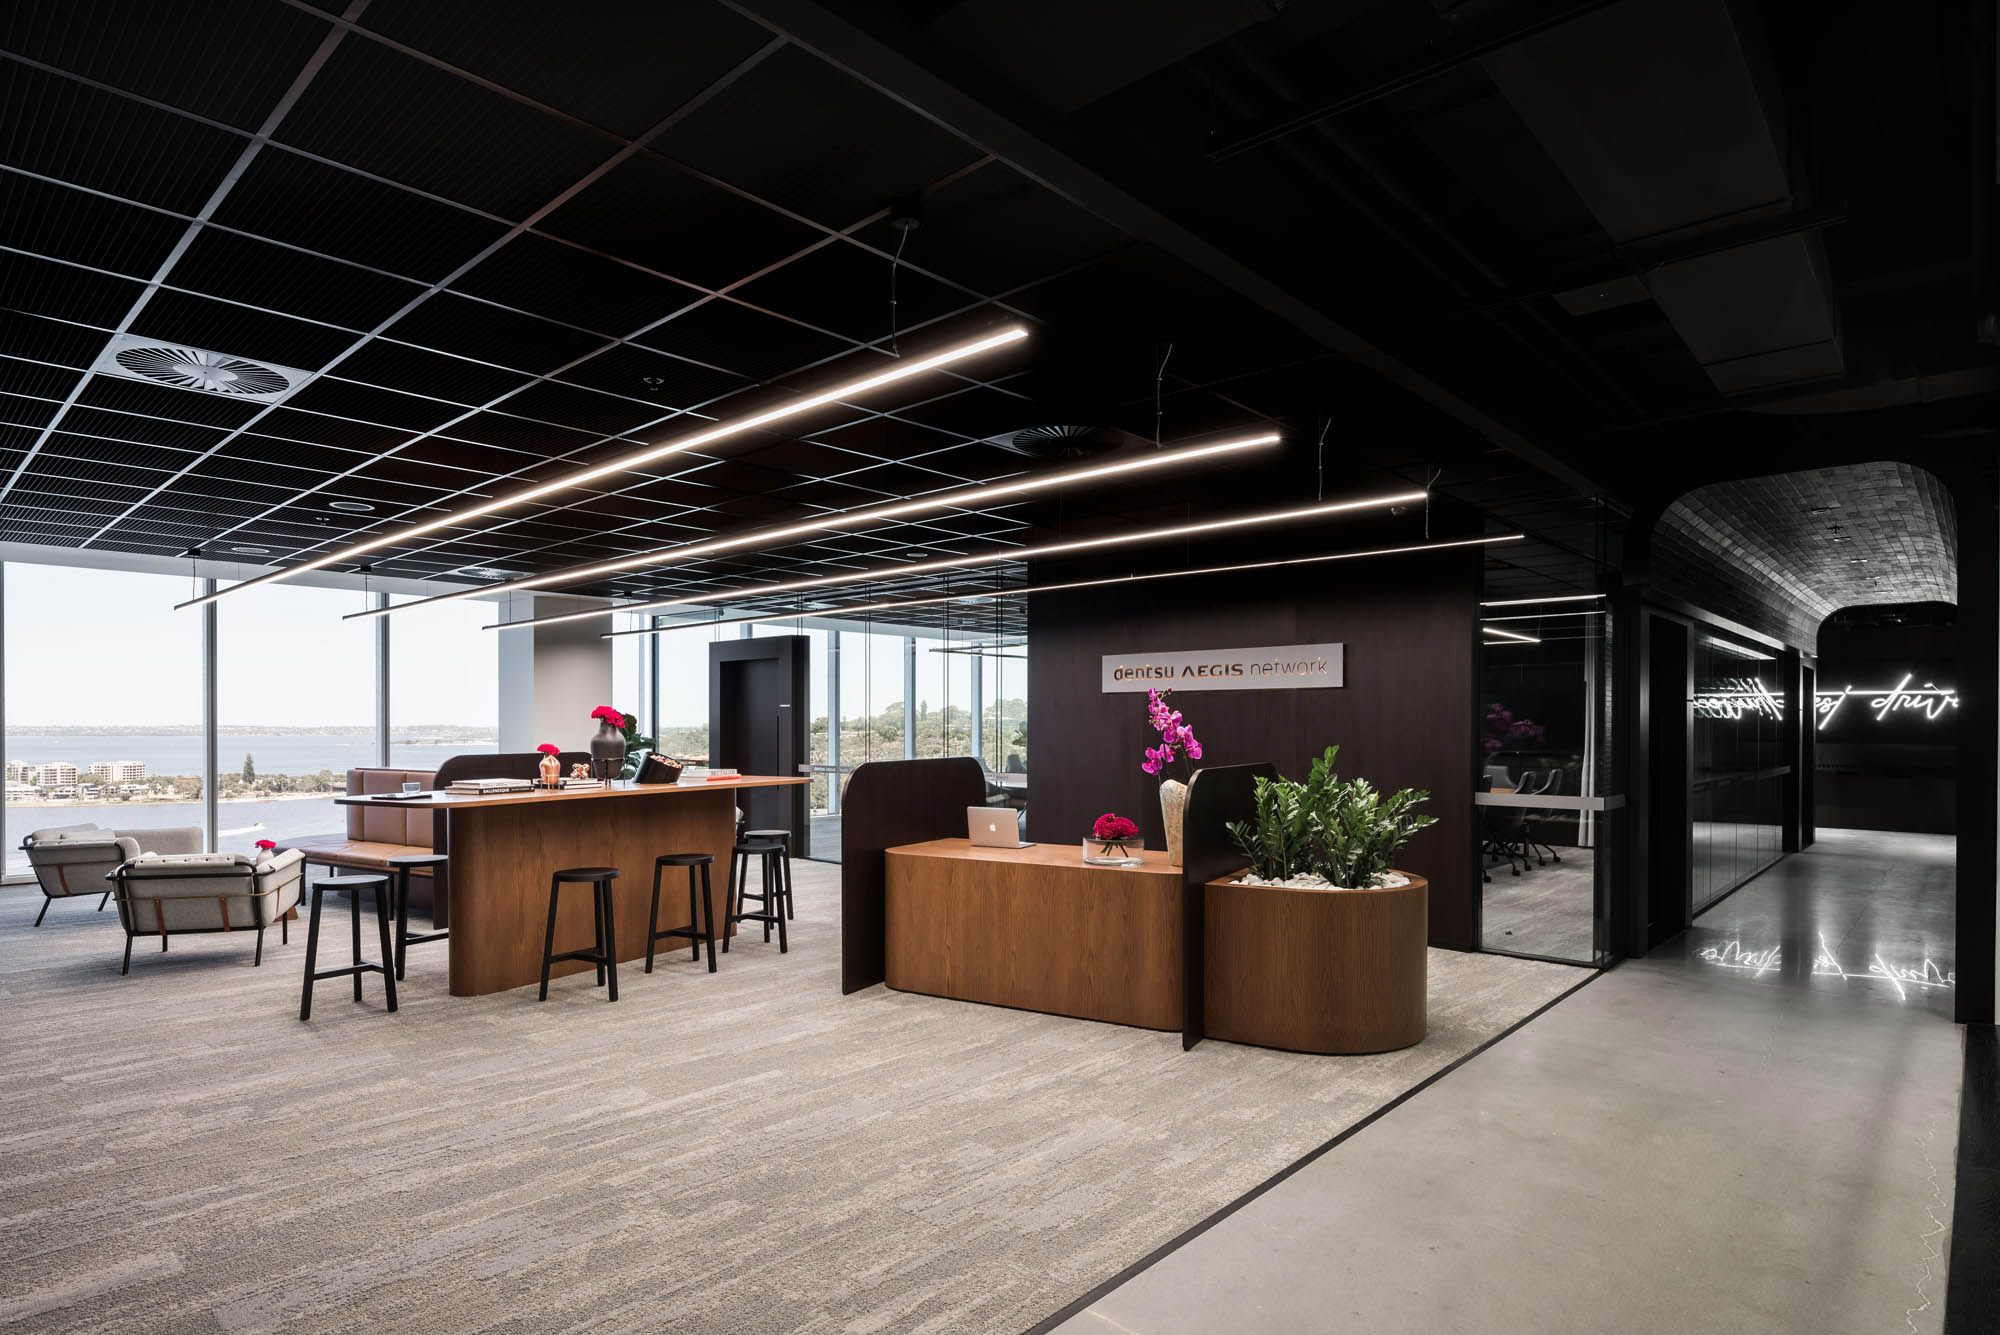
(165, 895)
(71, 860)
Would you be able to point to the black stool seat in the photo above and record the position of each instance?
(774, 876)
(354, 885)
(695, 935)
(604, 953)
(784, 837)
(402, 867)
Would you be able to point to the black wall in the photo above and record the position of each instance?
(1404, 718)
(1899, 773)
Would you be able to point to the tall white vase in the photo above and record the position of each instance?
(1173, 809)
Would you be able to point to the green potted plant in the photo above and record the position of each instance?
(1328, 833)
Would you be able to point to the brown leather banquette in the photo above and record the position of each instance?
(383, 830)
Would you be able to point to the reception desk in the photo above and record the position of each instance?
(504, 848)
(1037, 929)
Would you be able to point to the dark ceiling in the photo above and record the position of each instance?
(506, 239)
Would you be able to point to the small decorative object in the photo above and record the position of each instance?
(266, 848)
(579, 770)
(1114, 842)
(607, 749)
(1177, 742)
(658, 768)
(551, 768)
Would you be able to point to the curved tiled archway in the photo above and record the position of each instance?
(1783, 552)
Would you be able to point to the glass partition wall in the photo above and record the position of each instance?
(1737, 784)
(1546, 818)
(104, 689)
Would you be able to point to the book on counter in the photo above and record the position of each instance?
(707, 774)
(479, 786)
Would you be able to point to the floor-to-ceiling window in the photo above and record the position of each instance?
(444, 683)
(683, 689)
(103, 702)
(295, 692)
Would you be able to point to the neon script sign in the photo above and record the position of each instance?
(1739, 697)
(1929, 700)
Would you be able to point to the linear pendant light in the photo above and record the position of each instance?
(720, 431)
(995, 595)
(968, 499)
(1000, 556)
(1509, 637)
(1528, 602)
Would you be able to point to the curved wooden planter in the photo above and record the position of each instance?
(1333, 971)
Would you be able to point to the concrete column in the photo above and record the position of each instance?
(833, 722)
(909, 697)
(551, 677)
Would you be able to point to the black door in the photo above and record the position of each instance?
(756, 724)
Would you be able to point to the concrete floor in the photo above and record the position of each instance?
(1752, 1130)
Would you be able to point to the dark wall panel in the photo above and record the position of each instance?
(1898, 772)
(1404, 718)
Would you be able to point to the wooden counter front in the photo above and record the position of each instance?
(504, 848)
(1035, 928)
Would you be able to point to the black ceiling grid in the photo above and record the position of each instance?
(507, 240)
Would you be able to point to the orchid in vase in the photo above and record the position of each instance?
(1177, 743)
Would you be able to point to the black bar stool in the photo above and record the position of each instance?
(605, 954)
(405, 938)
(353, 885)
(783, 837)
(695, 934)
(770, 856)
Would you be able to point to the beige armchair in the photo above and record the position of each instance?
(71, 860)
(207, 892)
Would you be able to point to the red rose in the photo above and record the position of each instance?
(548, 748)
(1112, 828)
(266, 844)
(610, 715)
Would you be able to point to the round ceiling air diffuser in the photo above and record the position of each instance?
(1061, 442)
(194, 368)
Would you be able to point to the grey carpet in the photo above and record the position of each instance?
(1546, 910)
(743, 1152)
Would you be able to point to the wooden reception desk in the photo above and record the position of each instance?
(1036, 929)
(504, 848)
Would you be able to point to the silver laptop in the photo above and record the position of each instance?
(994, 827)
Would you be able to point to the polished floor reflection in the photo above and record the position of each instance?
(1861, 913)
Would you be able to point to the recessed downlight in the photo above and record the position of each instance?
(352, 507)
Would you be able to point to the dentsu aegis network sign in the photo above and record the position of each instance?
(1287, 667)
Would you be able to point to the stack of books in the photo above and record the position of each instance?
(487, 787)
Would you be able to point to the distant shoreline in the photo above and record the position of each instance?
(443, 732)
(176, 799)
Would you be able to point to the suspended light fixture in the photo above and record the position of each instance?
(997, 595)
(1001, 556)
(968, 499)
(1529, 602)
(720, 431)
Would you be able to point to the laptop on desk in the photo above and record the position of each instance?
(993, 827)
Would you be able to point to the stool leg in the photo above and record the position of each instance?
(312, 956)
(354, 898)
(791, 909)
(653, 919)
(402, 917)
(610, 941)
(389, 961)
(597, 926)
(694, 924)
(729, 905)
(258, 958)
(777, 907)
(549, 939)
(708, 917)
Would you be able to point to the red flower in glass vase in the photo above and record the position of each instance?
(1113, 827)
